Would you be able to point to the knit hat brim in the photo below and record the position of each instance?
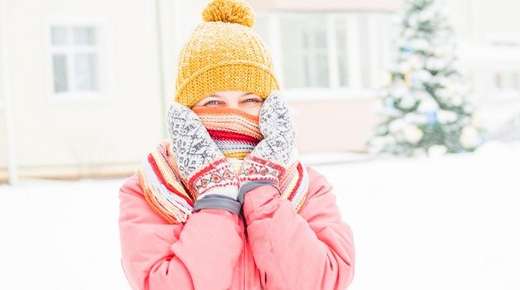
(237, 75)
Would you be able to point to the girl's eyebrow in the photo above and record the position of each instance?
(251, 95)
(245, 94)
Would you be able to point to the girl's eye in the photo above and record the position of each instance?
(255, 100)
(212, 102)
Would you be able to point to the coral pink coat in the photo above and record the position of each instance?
(272, 247)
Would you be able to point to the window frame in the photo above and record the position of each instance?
(334, 91)
(101, 49)
(505, 93)
(482, 63)
(507, 63)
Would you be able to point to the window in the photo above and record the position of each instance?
(342, 42)
(507, 81)
(305, 51)
(75, 59)
(349, 50)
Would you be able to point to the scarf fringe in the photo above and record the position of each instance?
(169, 197)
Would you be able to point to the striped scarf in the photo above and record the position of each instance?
(236, 133)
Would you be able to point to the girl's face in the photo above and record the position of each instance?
(246, 102)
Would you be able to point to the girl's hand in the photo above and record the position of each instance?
(271, 158)
(203, 167)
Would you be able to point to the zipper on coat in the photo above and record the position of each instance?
(245, 259)
(245, 263)
(245, 252)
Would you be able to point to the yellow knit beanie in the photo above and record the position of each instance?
(224, 53)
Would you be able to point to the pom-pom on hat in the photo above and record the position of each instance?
(224, 53)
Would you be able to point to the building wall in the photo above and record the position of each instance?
(489, 48)
(89, 136)
(3, 147)
(115, 128)
(335, 125)
(489, 45)
(331, 5)
(333, 119)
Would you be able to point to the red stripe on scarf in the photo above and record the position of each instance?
(157, 172)
(228, 135)
(299, 182)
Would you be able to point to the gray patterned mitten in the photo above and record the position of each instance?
(271, 158)
(203, 167)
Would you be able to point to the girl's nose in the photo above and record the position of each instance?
(234, 105)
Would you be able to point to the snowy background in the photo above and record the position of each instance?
(444, 222)
(450, 222)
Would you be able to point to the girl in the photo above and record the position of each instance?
(225, 203)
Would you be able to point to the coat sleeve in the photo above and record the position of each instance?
(310, 250)
(200, 254)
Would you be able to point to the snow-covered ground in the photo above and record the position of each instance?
(442, 223)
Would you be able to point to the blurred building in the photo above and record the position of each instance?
(84, 85)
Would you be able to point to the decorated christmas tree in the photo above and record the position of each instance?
(425, 110)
